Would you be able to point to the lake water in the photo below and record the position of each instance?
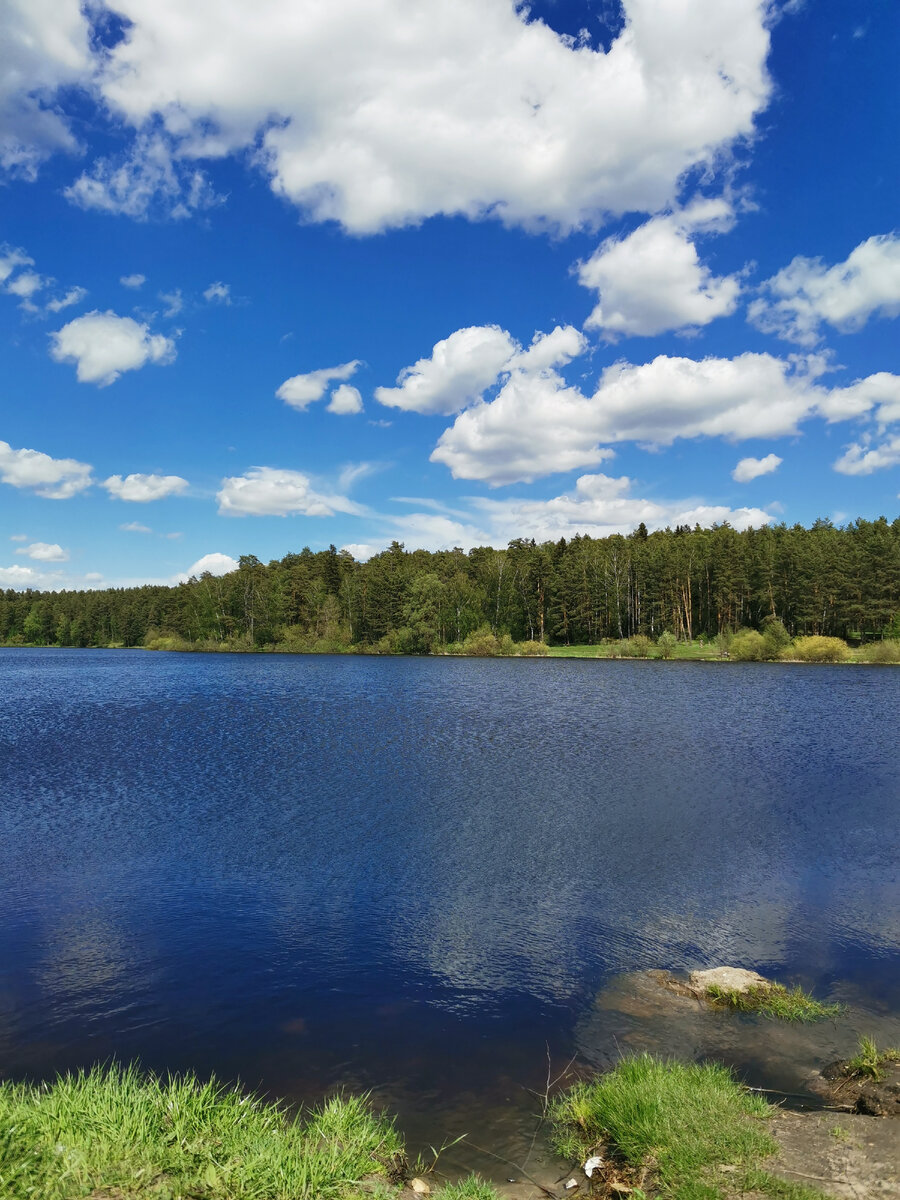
(421, 876)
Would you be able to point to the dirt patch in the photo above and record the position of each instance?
(841, 1154)
(873, 1098)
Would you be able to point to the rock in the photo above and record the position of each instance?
(420, 1186)
(732, 979)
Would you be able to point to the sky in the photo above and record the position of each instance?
(450, 272)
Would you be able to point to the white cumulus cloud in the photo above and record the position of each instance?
(538, 424)
(135, 527)
(458, 370)
(653, 280)
(45, 552)
(377, 114)
(11, 259)
(19, 577)
(45, 47)
(345, 400)
(302, 390)
(752, 468)
(103, 345)
(53, 478)
(864, 458)
(210, 564)
(275, 492)
(807, 293)
(134, 281)
(142, 488)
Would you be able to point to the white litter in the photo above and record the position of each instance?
(573, 1183)
(592, 1164)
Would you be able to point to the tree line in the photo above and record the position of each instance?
(841, 581)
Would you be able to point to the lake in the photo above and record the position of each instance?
(424, 876)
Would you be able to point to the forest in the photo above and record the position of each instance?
(689, 584)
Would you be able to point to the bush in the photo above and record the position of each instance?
(482, 643)
(531, 648)
(777, 637)
(635, 647)
(749, 646)
(665, 644)
(165, 639)
(819, 649)
(887, 651)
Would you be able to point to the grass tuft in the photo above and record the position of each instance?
(774, 1000)
(870, 1060)
(114, 1131)
(680, 1120)
(472, 1188)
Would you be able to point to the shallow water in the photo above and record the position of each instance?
(422, 875)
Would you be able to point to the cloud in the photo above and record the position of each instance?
(44, 552)
(459, 369)
(135, 527)
(345, 400)
(174, 302)
(45, 47)
(133, 281)
(273, 492)
(600, 505)
(806, 293)
(147, 181)
(104, 345)
(24, 285)
(752, 468)
(53, 478)
(653, 281)
(302, 390)
(17, 576)
(73, 296)
(11, 258)
(211, 564)
(18, 537)
(863, 459)
(538, 424)
(218, 292)
(364, 114)
(142, 488)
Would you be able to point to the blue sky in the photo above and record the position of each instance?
(451, 272)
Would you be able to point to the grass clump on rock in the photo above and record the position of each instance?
(687, 1131)
(114, 1132)
(773, 1000)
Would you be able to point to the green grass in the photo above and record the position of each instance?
(116, 1134)
(774, 1000)
(678, 1122)
(471, 1188)
(870, 1060)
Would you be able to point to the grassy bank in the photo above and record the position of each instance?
(686, 1131)
(117, 1134)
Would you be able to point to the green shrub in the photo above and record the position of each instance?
(531, 648)
(638, 646)
(777, 637)
(819, 649)
(165, 639)
(748, 646)
(887, 651)
(666, 644)
(482, 643)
